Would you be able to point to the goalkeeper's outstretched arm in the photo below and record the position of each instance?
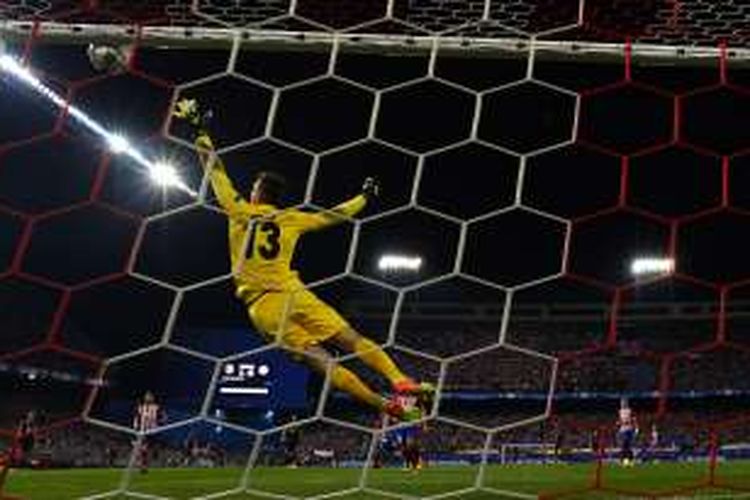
(344, 211)
(227, 195)
(222, 185)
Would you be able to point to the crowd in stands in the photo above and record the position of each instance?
(719, 370)
(86, 445)
(684, 430)
(629, 365)
(77, 445)
(583, 423)
(499, 370)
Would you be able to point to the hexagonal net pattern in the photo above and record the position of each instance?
(525, 314)
(665, 22)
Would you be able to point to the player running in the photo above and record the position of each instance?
(262, 239)
(408, 437)
(146, 418)
(627, 429)
(403, 441)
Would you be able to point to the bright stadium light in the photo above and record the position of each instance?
(648, 266)
(399, 263)
(117, 143)
(164, 174)
(6, 61)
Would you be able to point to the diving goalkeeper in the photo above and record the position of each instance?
(262, 238)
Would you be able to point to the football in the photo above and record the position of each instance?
(108, 58)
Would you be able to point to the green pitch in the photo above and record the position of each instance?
(526, 479)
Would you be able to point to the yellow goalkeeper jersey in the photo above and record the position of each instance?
(262, 238)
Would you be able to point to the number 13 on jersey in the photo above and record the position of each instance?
(266, 244)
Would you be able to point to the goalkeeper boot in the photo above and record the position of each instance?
(409, 386)
(396, 409)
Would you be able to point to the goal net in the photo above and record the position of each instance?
(559, 235)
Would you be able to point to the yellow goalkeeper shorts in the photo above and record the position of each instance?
(297, 319)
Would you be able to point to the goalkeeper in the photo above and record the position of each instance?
(262, 238)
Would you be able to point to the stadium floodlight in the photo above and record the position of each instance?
(165, 175)
(399, 263)
(647, 266)
(117, 143)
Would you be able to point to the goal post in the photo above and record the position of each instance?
(179, 37)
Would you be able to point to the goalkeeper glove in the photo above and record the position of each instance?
(371, 188)
(189, 110)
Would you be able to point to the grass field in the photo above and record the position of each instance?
(527, 479)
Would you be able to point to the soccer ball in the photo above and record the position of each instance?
(108, 59)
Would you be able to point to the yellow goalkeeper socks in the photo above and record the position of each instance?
(345, 380)
(377, 359)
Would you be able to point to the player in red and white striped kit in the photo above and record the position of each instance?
(146, 418)
(408, 437)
